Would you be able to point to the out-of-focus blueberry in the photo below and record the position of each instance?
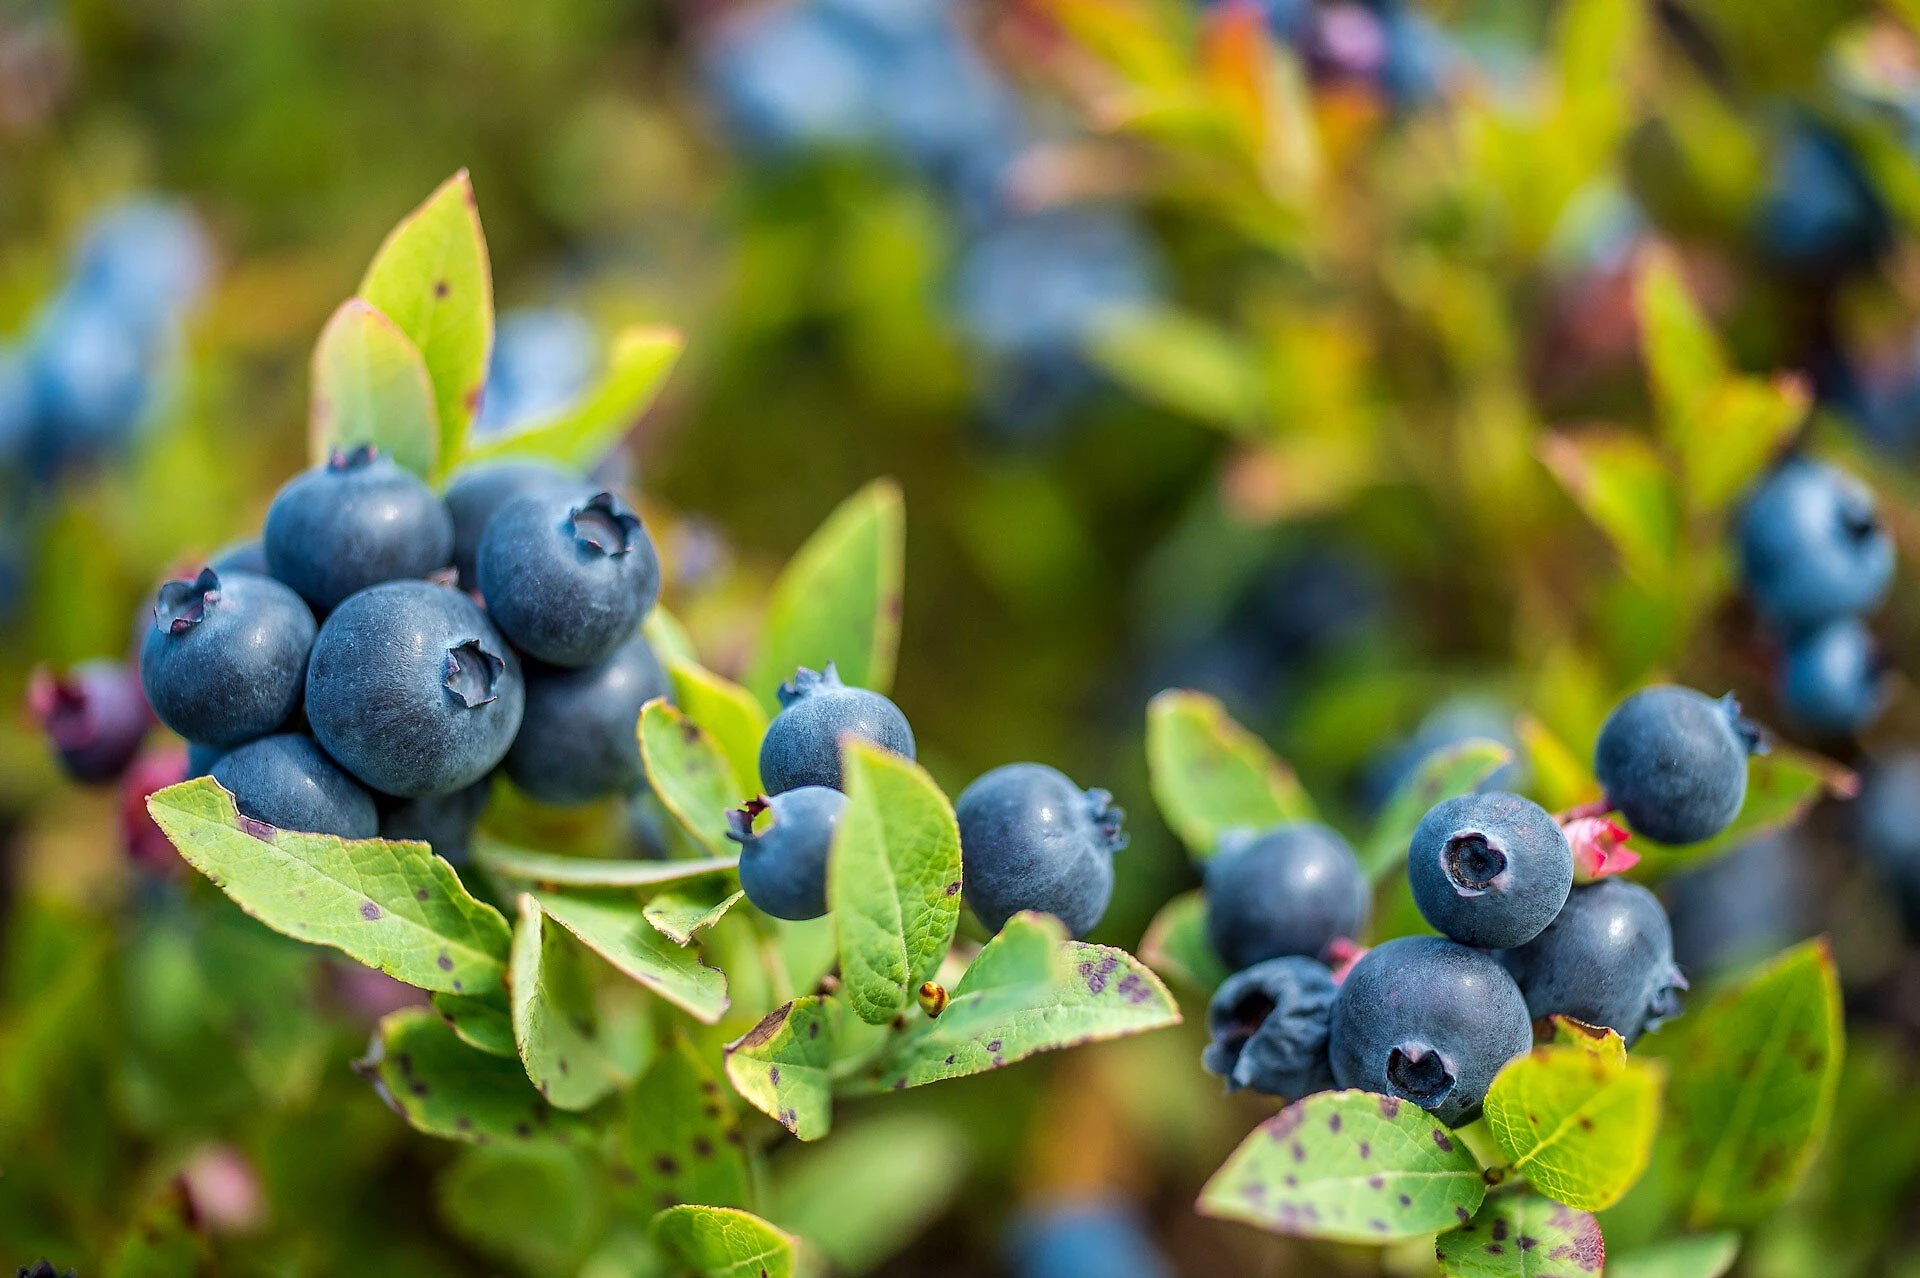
(1040, 282)
(543, 358)
(91, 379)
(1888, 820)
(1832, 679)
(1813, 547)
(1740, 907)
(1820, 217)
(792, 77)
(1103, 1238)
(146, 258)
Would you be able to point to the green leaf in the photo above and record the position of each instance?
(1699, 1256)
(871, 1190)
(1177, 946)
(394, 906)
(541, 869)
(838, 599)
(1447, 772)
(1029, 990)
(554, 1016)
(1522, 1235)
(1184, 362)
(1623, 485)
(431, 278)
(1210, 775)
(681, 1138)
(1348, 1166)
(1561, 779)
(581, 434)
(620, 934)
(1751, 1086)
(682, 913)
(722, 1242)
(539, 1207)
(162, 1242)
(728, 713)
(1746, 423)
(1782, 785)
(783, 1066)
(370, 386)
(667, 637)
(893, 880)
(483, 1023)
(1684, 359)
(1578, 1121)
(690, 774)
(445, 1088)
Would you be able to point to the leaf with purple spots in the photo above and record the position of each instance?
(555, 1020)
(1522, 1235)
(618, 932)
(1029, 990)
(445, 1088)
(582, 433)
(1210, 775)
(1577, 1119)
(1176, 944)
(1348, 1166)
(784, 1065)
(1454, 770)
(1752, 1077)
(680, 1136)
(723, 1242)
(391, 905)
(694, 779)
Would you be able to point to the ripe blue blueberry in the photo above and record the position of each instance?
(783, 863)
(1607, 960)
(413, 690)
(354, 522)
(1291, 890)
(201, 758)
(1675, 762)
(1820, 217)
(242, 556)
(289, 782)
(1429, 1021)
(1030, 839)
(1269, 1028)
(475, 494)
(567, 578)
(802, 745)
(445, 821)
(578, 739)
(1832, 680)
(1489, 869)
(1813, 547)
(94, 716)
(225, 657)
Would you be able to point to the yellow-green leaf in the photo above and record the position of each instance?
(1576, 1120)
(1623, 485)
(584, 432)
(1210, 775)
(724, 1242)
(690, 774)
(447, 1089)
(1523, 1235)
(783, 1066)
(728, 713)
(1177, 946)
(554, 1015)
(370, 386)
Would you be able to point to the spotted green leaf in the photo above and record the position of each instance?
(728, 713)
(1698, 1256)
(682, 913)
(838, 599)
(445, 1088)
(431, 278)
(394, 906)
(1177, 946)
(783, 1066)
(690, 774)
(1348, 1166)
(681, 1137)
(1210, 775)
(1623, 484)
(893, 880)
(724, 1242)
(542, 869)
(540, 1206)
(1522, 1235)
(484, 1023)
(583, 432)
(370, 386)
(1029, 990)
(1449, 771)
(1578, 1121)
(618, 932)
(1751, 1085)
(554, 1015)
(1782, 785)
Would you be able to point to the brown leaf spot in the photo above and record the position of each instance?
(369, 911)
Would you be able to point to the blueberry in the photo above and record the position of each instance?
(144, 258)
(445, 821)
(792, 77)
(1607, 960)
(1740, 907)
(201, 758)
(783, 864)
(92, 379)
(289, 782)
(1099, 1238)
(146, 845)
(1291, 890)
(1820, 217)
(567, 578)
(1030, 839)
(802, 745)
(95, 717)
(475, 494)
(225, 657)
(542, 359)
(354, 522)
(1675, 762)
(1812, 546)
(1489, 869)
(242, 556)
(1888, 820)
(413, 690)
(1832, 681)
(579, 737)
(1269, 1028)
(1429, 1021)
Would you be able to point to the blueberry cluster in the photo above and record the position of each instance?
(1817, 560)
(1432, 1019)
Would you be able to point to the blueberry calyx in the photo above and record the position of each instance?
(740, 821)
(473, 673)
(1666, 1002)
(1745, 730)
(604, 524)
(1419, 1073)
(807, 682)
(1472, 863)
(358, 457)
(1242, 1019)
(182, 604)
(1109, 819)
